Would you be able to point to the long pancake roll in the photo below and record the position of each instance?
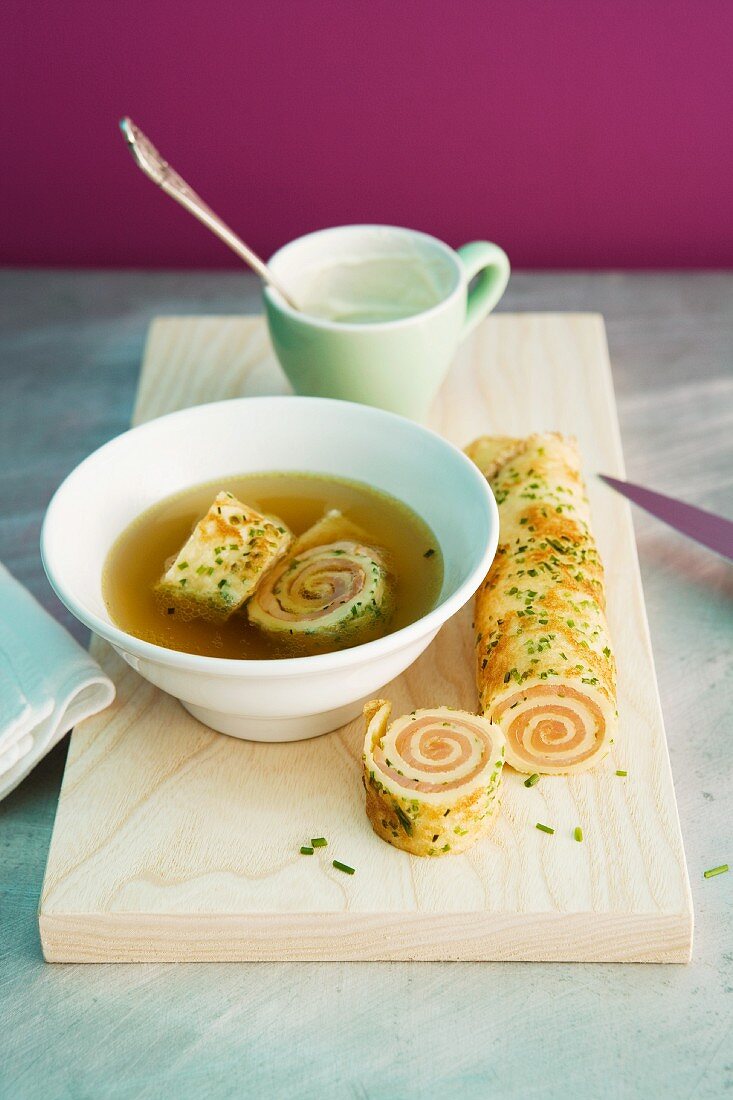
(331, 584)
(545, 667)
(431, 777)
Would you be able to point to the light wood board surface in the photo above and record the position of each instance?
(172, 842)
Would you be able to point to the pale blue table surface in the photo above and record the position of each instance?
(70, 347)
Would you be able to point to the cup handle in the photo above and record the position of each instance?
(491, 264)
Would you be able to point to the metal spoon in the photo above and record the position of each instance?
(159, 171)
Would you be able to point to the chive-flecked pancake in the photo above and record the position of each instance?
(226, 556)
(431, 777)
(331, 584)
(545, 667)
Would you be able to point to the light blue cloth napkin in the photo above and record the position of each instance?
(48, 683)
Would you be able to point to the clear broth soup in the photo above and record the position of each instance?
(138, 558)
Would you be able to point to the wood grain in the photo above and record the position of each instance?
(172, 842)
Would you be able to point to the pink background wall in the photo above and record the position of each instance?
(574, 132)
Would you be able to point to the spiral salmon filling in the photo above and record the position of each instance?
(341, 587)
(431, 777)
(545, 667)
(550, 729)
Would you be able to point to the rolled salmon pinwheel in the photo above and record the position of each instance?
(329, 588)
(545, 670)
(431, 777)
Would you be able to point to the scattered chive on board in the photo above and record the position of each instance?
(716, 871)
(534, 778)
(578, 833)
(319, 842)
(544, 828)
(343, 867)
(621, 772)
(306, 851)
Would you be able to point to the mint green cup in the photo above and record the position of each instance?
(382, 312)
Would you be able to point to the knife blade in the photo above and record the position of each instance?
(712, 531)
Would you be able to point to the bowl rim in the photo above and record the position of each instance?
(228, 667)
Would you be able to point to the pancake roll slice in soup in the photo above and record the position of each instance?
(228, 553)
(333, 584)
(431, 777)
(545, 667)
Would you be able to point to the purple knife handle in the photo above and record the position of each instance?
(712, 531)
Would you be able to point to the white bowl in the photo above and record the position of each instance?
(280, 700)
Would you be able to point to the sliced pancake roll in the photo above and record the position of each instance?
(331, 584)
(431, 777)
(545, 669)
(332, 527)
(229, 551)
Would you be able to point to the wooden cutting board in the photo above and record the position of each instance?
(173, 842)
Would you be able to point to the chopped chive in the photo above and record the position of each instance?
(716, 871)
(183, 565)
(343, 867)
(404, 820)
(534, 778)
(306, 851)
(319, 842)
(544, 828)
(621, 772)
(578, 833)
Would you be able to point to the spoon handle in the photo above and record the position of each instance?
(159, 171)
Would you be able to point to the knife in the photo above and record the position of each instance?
(712, 531)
